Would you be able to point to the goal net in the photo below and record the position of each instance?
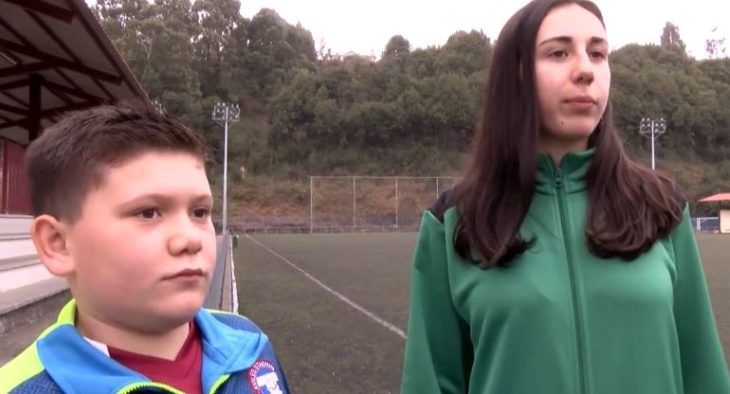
(371, 203)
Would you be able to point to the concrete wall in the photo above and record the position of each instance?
(19, 263)
(725, 221)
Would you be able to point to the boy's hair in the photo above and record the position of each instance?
(71, 157)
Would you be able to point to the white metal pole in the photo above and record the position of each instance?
(225, 176)
(653, 137)
(354, 203)
(396, 203)
(437, 187)
(311, 205)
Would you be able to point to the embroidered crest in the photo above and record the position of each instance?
(263, 378)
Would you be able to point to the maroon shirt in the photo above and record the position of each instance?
(183, 373)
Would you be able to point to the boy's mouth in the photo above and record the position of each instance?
(188, 272)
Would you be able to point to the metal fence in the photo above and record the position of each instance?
(706, 224)
(214, 298)
(371, 203)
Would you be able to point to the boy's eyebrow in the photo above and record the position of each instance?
(568, 40)
(166, 198)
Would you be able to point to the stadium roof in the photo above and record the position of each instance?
(55, 57)
(717, 198)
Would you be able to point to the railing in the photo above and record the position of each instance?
(214, 299)
(706, 224)
(326, 229)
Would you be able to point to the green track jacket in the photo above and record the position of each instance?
(561, 320)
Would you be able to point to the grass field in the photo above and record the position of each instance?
(715, 251)
(327, 345)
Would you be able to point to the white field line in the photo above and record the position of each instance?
(337, 294)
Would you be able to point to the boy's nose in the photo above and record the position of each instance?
(186, 238)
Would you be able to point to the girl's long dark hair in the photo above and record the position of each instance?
(630, 206)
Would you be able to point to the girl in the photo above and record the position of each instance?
(558, 265)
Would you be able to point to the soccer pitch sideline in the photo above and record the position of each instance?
(336, 305)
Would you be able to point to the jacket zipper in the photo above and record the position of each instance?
(137, 386)
(573, 286)
(218, 383)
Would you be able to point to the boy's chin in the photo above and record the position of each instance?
(181, 310)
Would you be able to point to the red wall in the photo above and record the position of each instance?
(15, 196)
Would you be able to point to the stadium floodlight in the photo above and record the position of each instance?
(653, 129)
(225, 114)
(157, 106)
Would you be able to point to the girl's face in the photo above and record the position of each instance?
(573, 77)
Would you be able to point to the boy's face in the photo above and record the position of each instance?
(144, 247)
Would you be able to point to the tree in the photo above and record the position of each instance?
(670, 37)
(293, 109)
(465, 53)
(115, 16)
(397, 46)
(396, 54)
(423, 63)
(122, 20)
(715, 46)
(275, 48)
(218, 20)
(300, 110)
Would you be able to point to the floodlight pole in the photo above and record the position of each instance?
(224, 227)
(311, 204)
(652, 129)
(225, 114)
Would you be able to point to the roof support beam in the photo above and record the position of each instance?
(12, 97)
(15, 110)
(44, 8)
(28, 68)
(34, 107)
(72, 91)
(74, 66)
(14, 84)
(67, 108)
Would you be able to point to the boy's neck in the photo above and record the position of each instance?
(164, 345)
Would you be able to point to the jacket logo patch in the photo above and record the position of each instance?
(263, 378)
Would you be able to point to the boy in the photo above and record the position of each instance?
(121, 206)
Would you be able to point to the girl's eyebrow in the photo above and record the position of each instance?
(569, 40)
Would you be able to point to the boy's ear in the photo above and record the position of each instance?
(50, 238)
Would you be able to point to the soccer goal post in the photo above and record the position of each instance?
(371, 203)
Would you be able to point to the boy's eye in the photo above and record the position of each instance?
(201, 212)
(148, 213)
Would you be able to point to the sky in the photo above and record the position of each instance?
(365, 27)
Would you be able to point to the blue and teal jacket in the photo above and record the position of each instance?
(237, 358)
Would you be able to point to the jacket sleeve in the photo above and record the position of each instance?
(704, 369)
(438, 351)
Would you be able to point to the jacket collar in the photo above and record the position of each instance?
(75, 365)
(570, 174)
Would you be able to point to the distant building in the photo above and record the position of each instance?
(350, 54)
